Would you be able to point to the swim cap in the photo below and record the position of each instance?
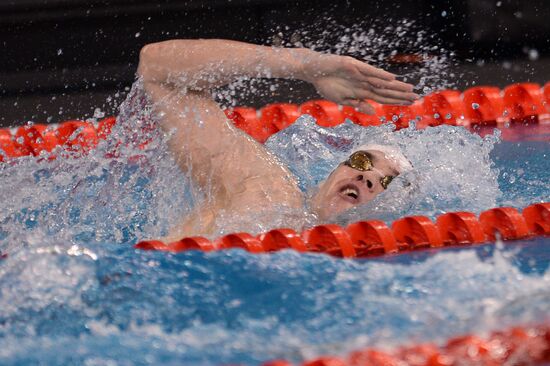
(392, 153)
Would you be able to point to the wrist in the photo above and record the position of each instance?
(293, 63)
(306, 69)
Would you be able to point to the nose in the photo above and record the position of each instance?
(370, 182)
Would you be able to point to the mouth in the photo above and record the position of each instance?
(349, 193)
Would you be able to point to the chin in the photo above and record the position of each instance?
(333, 209)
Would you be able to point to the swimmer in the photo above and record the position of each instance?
(240, 177)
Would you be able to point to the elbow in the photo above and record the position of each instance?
(147, 57)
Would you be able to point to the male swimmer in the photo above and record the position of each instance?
(241, 178)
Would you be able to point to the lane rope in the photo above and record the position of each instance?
(528, 345)
(476, 108)
(374, 238)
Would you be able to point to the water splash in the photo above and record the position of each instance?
(118, 192)
(379, 42)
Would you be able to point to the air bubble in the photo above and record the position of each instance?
(475, 106)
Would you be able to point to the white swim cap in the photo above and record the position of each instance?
(392, 153)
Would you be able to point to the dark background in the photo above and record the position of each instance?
(61, 59)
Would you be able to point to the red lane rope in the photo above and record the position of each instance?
(475, 108)
(74, 136)
(527, 103)
(515, 346)
(374, 238)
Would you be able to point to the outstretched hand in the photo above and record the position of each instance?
(346, 80)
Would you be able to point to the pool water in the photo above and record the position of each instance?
(91, 304)
(73, 290)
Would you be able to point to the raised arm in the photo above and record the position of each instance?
(204, 64)
(239, 173)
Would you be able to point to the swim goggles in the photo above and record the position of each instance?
(362, 161)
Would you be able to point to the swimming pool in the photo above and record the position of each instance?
(74, 291)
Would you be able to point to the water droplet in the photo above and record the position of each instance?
(448, 116)
(499, 3)
(138, 34)
(436, 115)
(475, 106)
(59, 52)
(394, 118)
(443, 13)
(98, 113)
(533, 54)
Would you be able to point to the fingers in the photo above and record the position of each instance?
(387, 100)
(394, 84)
(397, 94)
(398, 91)
(380, 78)
(385, 96)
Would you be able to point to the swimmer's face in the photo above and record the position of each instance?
(349, 186)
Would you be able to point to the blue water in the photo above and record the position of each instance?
(74, 291)
(137, 307)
